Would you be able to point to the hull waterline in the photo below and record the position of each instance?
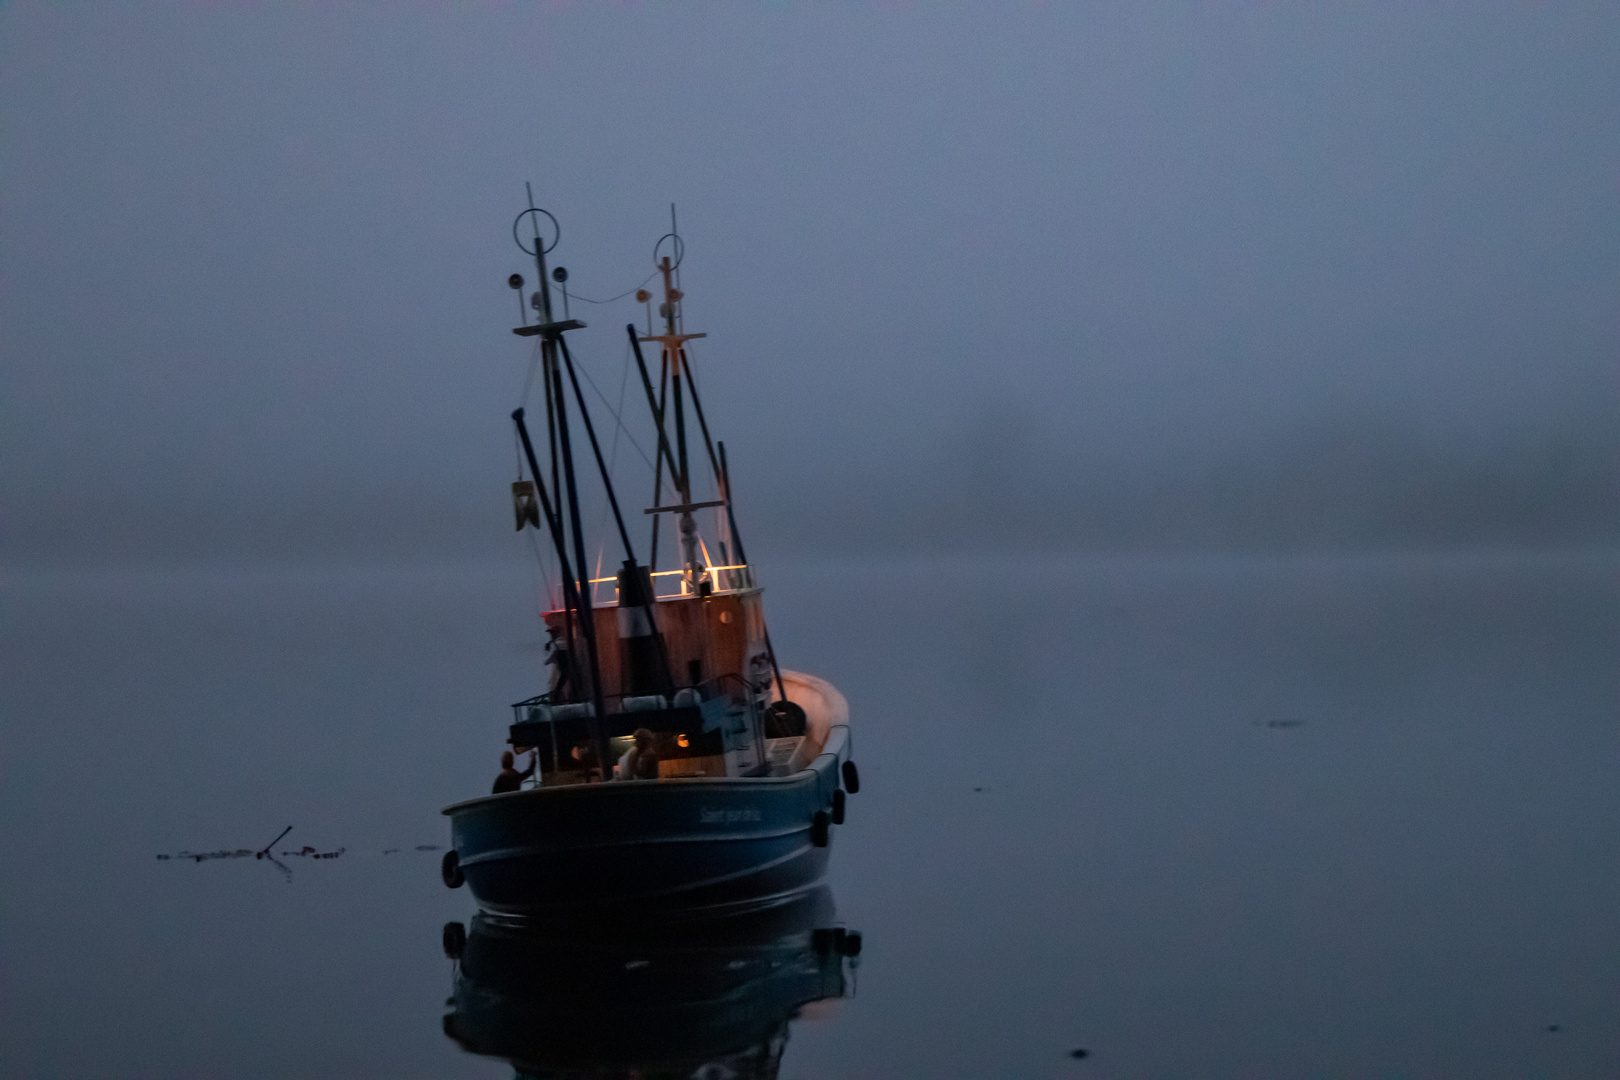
(670, 846)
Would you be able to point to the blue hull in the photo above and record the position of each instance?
(668, 846)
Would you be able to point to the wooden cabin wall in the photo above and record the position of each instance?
(724, 633)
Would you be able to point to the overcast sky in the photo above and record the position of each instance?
(254, 256)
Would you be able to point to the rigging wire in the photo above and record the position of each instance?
(617, 419)
(528, 380)
(541, 570)
(624, 381)
(697, 405)
(621, 296)
(543, 577)
(542, 567)
(613, 451)
(541, 561)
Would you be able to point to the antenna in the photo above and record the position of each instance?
(675, 231)
(541, 301)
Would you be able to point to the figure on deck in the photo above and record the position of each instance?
(561, 663)
(510, 779)
(640, 762)
(585, 761)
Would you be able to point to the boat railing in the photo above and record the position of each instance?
(554, 727)
(734, 686)
(542, 708)
(673, 584)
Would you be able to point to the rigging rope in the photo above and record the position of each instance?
(528, 380)
(615, 299)
(543, 575)
(624, 381)
(616, 418)
(613, 451)
(542, 567)
(542, 563)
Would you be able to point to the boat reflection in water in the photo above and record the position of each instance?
(693, 1000)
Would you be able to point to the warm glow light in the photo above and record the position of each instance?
(682, 741)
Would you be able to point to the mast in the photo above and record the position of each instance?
(550, 332)
(675, 364)
(672, 341)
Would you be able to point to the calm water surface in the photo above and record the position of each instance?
(1347, 816)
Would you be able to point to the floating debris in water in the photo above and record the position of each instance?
(264, 852)
(1552, 1027)
(978, 789)
(1290, 723)
(204, 856)
(1078, 1053)
(305, 852)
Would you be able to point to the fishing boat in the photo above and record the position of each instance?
(678, 769)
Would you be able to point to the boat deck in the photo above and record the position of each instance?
(687, 746)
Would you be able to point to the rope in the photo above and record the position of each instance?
(615, 299)
(542, 566)
(613, 451)
(624, 381)
(543, 576)
(609, 406)
(541, 562)
(528, 380)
